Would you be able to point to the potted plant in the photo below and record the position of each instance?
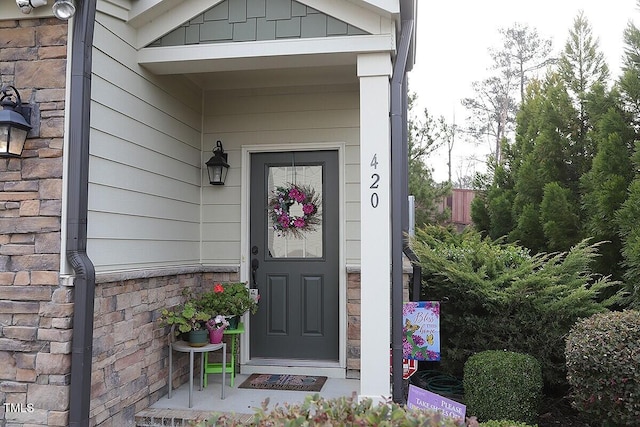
(216, 326)
(188, 319)
(231, 300)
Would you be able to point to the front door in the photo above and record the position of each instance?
(294, 255)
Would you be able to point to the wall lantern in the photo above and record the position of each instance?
(15, 122)
(62, 9)
(217, 166)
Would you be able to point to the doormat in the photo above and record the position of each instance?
(284, 382)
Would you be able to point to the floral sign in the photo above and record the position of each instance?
(421, 330)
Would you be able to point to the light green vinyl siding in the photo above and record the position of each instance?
(296, 115)
(145, 160)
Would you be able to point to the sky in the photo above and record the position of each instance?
(453, 38)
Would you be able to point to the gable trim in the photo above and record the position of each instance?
(171, 19)
(155, 18)
(386, 7)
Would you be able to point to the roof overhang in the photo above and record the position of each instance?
(270, 54)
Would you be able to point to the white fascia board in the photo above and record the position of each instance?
(166, 22)
(116, 8)
(381, 6)
(163, 16)
(144, 11)
(262, 54)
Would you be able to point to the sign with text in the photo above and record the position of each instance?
(409, 366)
(423, 399)
(421, 330)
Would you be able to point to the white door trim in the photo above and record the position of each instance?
(245, 264)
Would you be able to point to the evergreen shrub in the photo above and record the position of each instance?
(496, 295)
(603, 366)
(502, 385)
(344, 411)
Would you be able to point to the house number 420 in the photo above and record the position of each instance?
(375, 179)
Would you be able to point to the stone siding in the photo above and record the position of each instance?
(353, 320)
(353, 325)
(35, 310)
(130, 349)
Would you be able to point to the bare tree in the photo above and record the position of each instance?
(494, 107)
(523, 52)
(493, 110)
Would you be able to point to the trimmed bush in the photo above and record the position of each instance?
(603, 366)
(344, 411)
(502, 385)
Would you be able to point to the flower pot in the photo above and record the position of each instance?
(233, 322)
(198, 338)
(215, 335)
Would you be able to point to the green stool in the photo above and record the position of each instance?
(216, 368)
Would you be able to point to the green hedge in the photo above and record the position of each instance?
(603, 366)
(502, 385)
(497, 296)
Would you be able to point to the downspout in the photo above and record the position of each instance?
(77, 205)
(398, 171)
(416, 274)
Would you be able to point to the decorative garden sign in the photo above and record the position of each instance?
(421, 330)
(423, 399)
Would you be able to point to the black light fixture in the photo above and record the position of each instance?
(15, 120)
(217, 166)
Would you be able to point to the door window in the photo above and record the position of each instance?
(308, 243)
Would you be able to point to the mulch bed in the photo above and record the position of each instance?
(557, 411)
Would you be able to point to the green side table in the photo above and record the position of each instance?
(216, 368)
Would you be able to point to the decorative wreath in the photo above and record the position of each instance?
(294, 209)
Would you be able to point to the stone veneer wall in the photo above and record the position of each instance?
(353, 325)
(35, 310)
(130, 350)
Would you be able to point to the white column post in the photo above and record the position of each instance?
(374, 72)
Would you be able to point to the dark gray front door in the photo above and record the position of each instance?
(296, 274)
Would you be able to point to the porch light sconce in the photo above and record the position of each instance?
(217, 166)
(62, 9)
(15, 122)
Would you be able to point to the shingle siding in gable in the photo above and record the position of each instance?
(255, 20)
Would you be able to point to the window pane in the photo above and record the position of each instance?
(308, 242)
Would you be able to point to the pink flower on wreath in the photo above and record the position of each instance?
(308, 208)
(284, 220)
(299, 222)
(296, 195)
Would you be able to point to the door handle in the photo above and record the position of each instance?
(254, 268)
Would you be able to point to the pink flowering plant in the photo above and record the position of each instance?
(218, 322)
(294, 209)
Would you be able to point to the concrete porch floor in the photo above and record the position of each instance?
(237, 400)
